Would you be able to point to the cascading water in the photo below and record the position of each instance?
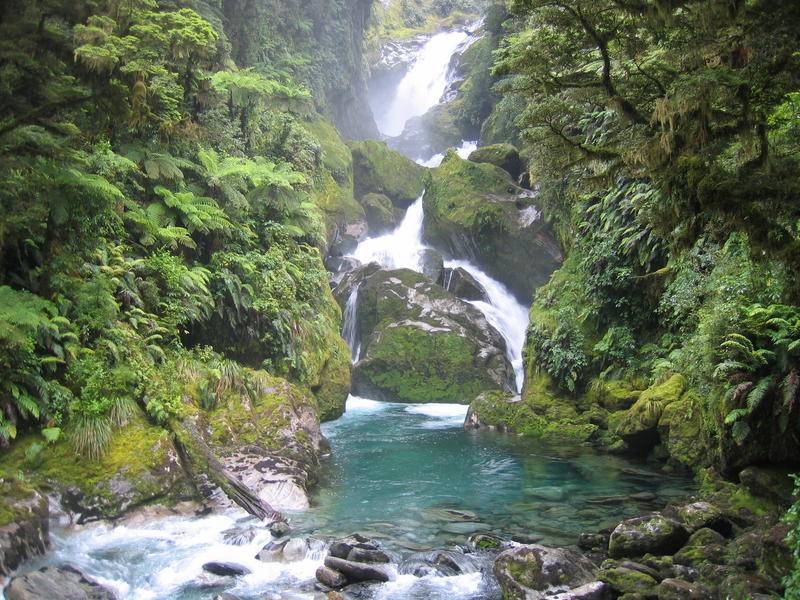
(423, 85)
(350, 325)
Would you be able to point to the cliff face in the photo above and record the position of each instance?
(319, 41)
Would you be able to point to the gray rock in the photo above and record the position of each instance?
(596, 590)
(57, 583)
(330, 577)
(356, 572)
(295, 549)
(460, 283)
(677, 589)
(697, 515)
(272, 551)
(379, 212)
(655, 534)
(279, 529)
(342, 547)
(534, 572)
(29, 534)
(432, 264)
(367, 555)
(225, 569)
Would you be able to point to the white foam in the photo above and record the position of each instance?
(363, 404)
(440, 410)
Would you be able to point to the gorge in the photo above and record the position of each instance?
(399, 299)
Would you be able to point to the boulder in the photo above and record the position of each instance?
(380, 214)
(629, 581)
(24, 532)
(279, 529)
(272, 551)
(654, 534)
(704, 546)
(534, 571)
(330, 577)
(356, 572)
(295, 549)
(677, 589)
(419, 343)
(367, 555)
(378, 170)
(504, 156)
(476, 212)
(639, 426)
(596, 590)
(57, 583)
(697, 515)
(226, 569)
(460, 283)
(774, 484)
(681, 430)
(432, 264)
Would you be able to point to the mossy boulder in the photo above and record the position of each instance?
(431, 133)
(535, 571)
(475, 211)
(333, 385)
(639, 427)
(628, 581)
(140, 466)
(681, 432)
(461, 283)
(541, 415)
(261, 439)
(378, 170)
(419, 343)
(704, 546)
(24, 524)
(504, 156)
(653, 534)
(380, 213)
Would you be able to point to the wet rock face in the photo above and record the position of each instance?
(57, 583)
(534, 571)
(474, 211)
(419, 343)
(28, 534)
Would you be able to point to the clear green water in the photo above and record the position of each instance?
(398, 472)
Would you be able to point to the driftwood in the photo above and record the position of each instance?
(201, 462)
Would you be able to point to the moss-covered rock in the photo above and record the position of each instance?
(334, 383)
(475, 211)
(380, 214)
(431, 133)
(535, 571)
(654, 534)
(378, 170)
(419, 343)
(24, 524)
(332, 188)
(628, 581)
(704, 546)
(639, 427)
(504, 156)
(140, 466)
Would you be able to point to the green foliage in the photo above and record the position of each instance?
(792, 518)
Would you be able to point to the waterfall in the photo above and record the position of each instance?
(350, 325)
(424, 83)
(399, 249)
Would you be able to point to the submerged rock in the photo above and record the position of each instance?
(419, 343)
(57, 583)
(226, 569)
(533, 572)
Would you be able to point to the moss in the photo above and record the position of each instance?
(537, 413)
(504, 156)
(379, 213)
(420, 367)
(378, 170)
(704, 546)
(628, 581)
(336, 156)
(11, 490)
(639, 425)
(681, 431)
(331, 393)
(140, 456)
